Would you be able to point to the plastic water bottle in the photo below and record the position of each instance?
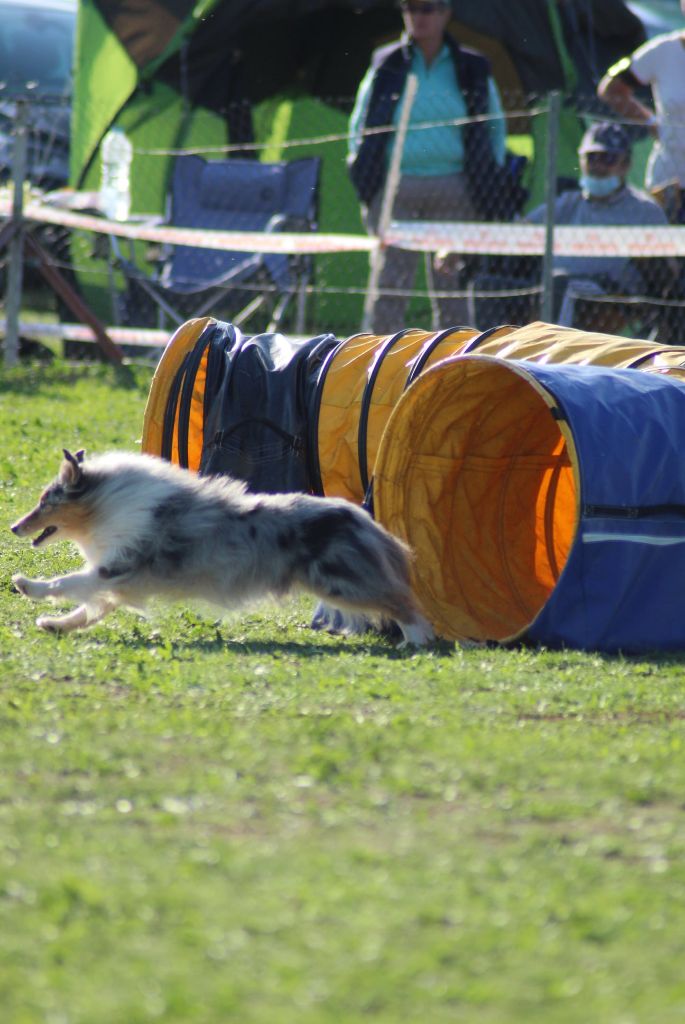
(116, 154)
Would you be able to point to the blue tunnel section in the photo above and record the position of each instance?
(623, 585)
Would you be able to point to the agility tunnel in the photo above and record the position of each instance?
(162, 434)
(548, 343)
(364, 376)
(534, 473)
(359, 383)
(310, 415)
(544, 503)
(283, 414)
(224, 402)
(221, 401)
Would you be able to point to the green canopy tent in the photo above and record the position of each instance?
(181, 75)
(175, 74)
(178, 73)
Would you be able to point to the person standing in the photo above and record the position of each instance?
(660, 64)
(448, 171)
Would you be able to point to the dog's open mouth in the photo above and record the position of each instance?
(47, 532)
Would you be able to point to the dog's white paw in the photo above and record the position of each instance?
(416, 634)
(22, 584)
(51, 623)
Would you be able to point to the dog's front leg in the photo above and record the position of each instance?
(80, 586)
(84, 615)
(85, 587)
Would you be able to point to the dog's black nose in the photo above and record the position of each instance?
(15, 528)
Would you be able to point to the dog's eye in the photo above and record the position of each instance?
(50, 496)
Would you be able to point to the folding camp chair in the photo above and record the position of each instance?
(226, 195)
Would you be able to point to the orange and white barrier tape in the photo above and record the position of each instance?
(143, 336)
(281, 242)
(529, 239)
(425, 236)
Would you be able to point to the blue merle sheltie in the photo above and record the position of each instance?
(149, 529)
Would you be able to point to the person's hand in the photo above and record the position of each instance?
(652, 126)
(445, 262)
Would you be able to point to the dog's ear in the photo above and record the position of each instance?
(70, 471)
(80, 455)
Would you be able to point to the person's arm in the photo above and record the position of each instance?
(536, 216)
(359, 111)
(617, 90)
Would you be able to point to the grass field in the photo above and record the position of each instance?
(206, 821)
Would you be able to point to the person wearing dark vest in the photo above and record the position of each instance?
(449, 171)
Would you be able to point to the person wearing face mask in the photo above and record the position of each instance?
(604, 199)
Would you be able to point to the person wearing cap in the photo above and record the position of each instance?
(448, 170)
(660, 65)
(604, 199)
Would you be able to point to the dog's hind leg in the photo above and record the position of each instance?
(335, 620)
(362, 570)
(401, 608)
(416, 633)
(358, 609)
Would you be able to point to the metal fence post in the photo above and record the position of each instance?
(391, 183)
(554, 111)
(15, 268)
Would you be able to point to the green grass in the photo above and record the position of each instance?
(206, 821)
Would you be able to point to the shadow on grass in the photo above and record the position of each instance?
(312, 649)
(339, 645)
(318, 646)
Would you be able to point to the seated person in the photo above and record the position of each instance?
(605, 199)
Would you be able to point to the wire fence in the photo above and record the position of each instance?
(431, 250)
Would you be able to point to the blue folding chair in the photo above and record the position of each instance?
(227, 195)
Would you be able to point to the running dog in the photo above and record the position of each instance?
(147, 528)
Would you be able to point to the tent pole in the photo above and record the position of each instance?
(554, 112)
(391, 185)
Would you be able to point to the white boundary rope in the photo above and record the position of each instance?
(319, 140)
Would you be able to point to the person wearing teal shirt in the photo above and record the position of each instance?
(446, 167)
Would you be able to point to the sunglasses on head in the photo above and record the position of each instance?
(427, 8)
